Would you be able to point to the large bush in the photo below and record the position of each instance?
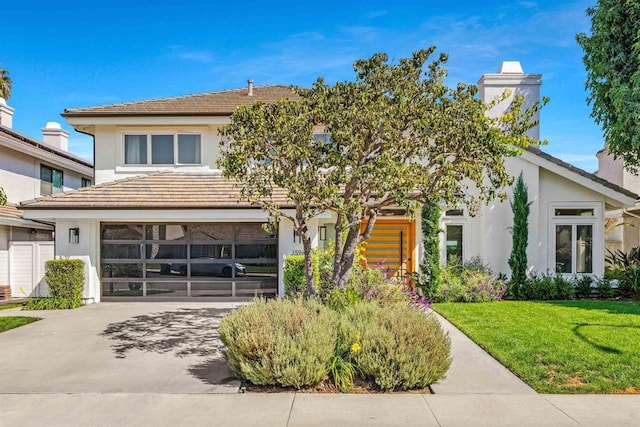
(65, 279)
(547, 287)
(470, 282)
(280, 342)
(398, 348)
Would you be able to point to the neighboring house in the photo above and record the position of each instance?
(30, 168)
(161, 222)
(623, 225)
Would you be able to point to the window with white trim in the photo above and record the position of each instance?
(162, 149)
(573, 235)
(453, 243)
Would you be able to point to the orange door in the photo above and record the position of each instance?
(391, 245)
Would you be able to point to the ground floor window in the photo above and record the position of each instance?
(453, 239)
(197, 259)
(574, 248)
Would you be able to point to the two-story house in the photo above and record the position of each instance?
(161, 222)
(28, 169)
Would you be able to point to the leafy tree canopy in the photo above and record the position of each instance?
(612, 60)
(398, 136)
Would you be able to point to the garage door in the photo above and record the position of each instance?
(27, 266)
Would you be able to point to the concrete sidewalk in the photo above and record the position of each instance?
(473, 370)
(159, 364)
(288, 409)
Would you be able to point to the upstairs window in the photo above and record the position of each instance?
(51, 180)
(135, 149)
(86, 182)
(167, 149)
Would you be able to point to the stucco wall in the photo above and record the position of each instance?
(488, 235)
(20, 175)
(87, 250)
(109, 150)
(4, 254)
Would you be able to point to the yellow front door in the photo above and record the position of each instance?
(390, 246)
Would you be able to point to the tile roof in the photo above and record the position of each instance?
(220, 103)
(10, 211)
(202, 190)
(159, 190)
(27, 140)
(581, 172)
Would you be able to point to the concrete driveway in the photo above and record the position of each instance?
(117, 348)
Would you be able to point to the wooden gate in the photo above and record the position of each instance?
(391, 245)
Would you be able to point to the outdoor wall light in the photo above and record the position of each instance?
(74, 236)
(296, 237)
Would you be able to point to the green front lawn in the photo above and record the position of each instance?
(10, 305)
(11, 322)
(558, 347)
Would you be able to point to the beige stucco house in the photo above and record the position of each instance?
(31, 168)
(161, 222)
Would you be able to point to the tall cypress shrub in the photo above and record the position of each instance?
(520, 206)
(430, 267)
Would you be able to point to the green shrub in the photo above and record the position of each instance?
(49, 303)
(582, 286)
(286, 342)
(547, 287)
(629, 282)
(65, 278)
(430, 268)
(471, 282)
(626, 268)
(295, 281)
(372, 284)
(323, 267)
(605, 290)
(399, 348)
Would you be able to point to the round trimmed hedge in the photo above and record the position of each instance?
(280, 342)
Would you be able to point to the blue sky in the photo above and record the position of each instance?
(67, 54)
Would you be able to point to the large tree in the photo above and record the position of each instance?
(398, 136)
(612, 60)
(5, 84)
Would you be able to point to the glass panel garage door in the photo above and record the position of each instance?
(188, 260)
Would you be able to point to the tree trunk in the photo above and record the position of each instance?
(308, 264)
(343, 266)
(300, 225)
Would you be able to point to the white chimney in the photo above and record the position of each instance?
(249, 87)
(54, 135)
(6, 114)
(510, 76)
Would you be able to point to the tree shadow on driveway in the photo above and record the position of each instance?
(184, 332)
